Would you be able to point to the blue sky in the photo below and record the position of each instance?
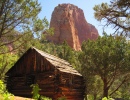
(86, 5)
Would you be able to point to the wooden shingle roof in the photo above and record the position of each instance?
(59, 63)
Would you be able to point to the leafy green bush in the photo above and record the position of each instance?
(105, 98)
(35, 92)
(4, 94)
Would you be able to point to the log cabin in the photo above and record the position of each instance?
(55, 77)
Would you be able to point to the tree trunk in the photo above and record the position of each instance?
(95, 97)
(105, 88)
(105, 92)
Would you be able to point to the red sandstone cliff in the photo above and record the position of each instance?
(70, 25)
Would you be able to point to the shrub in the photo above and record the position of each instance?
(4, 94)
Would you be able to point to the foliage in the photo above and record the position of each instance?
(125, 91)
(65, 52)
(35, 92)
(7, 61)
(4, 95)
(92, 83)
(108, 57)
(19, 24)
(44, 98)
(105, 98)
(115, 14)
(18, 18)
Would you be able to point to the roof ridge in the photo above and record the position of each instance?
(48, 56)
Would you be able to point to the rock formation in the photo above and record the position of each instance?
(70, 25)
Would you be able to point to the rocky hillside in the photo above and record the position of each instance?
(70, 25)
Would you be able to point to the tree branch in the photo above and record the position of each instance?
(11, 41)
(2, 28)
(2, 7)
(125, 79)
(13, 49)
(123, 27)
(11, 28)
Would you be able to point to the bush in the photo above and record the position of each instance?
(4, 94)
(105, 98)
(35, 92)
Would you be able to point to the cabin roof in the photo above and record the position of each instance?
(60, 64)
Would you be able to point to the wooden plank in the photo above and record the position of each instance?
(45, 82)
(46, 93)
(21, 88)
(15, 92)
(46, 85)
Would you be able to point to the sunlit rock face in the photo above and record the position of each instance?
(70, 25)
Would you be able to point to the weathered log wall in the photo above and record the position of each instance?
(17, 86)
(46, 82)
(71, 86)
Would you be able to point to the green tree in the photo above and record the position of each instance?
(115, 14)
(65, 52)
(17, 19)
(109, 58)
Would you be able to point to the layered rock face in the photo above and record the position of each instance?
(70, 25)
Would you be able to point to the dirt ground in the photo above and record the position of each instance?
(21, 98)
